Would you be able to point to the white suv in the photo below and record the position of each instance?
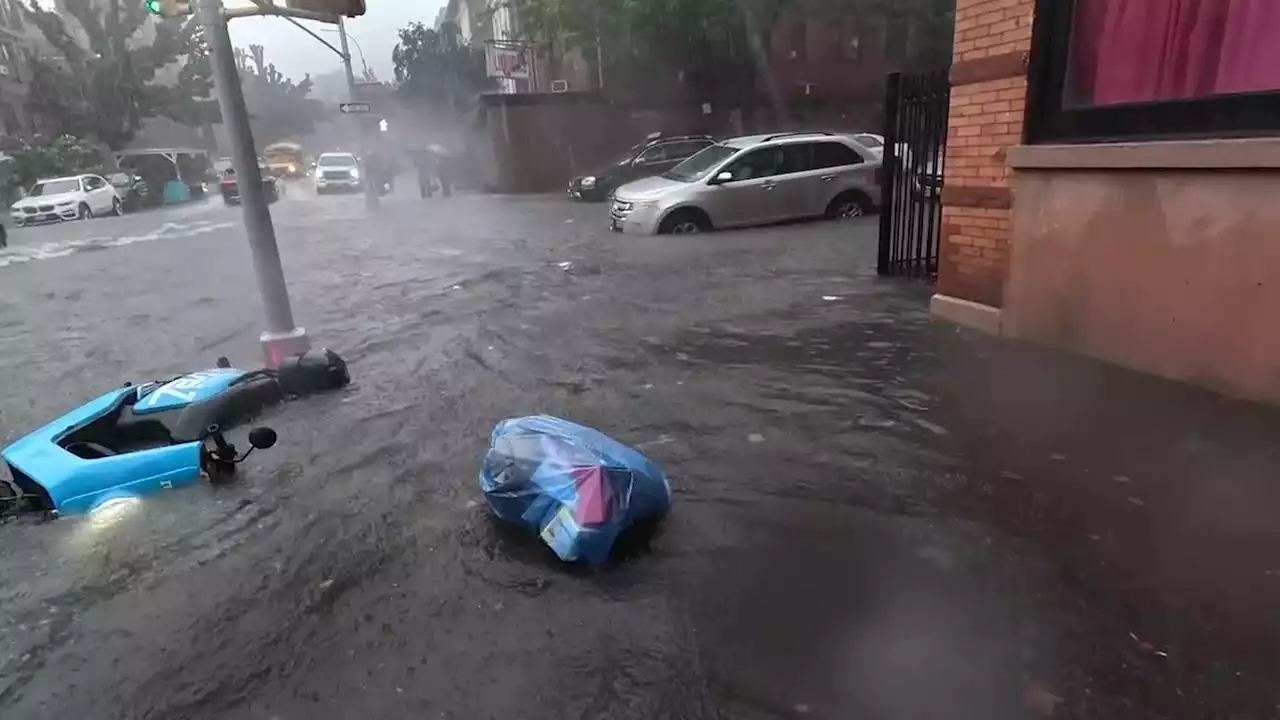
(753, 180)
(337, 172)
(78, 197)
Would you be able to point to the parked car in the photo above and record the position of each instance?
(872, 142)
(753, 180)
(656, 155)
(338, 172)
(231, 189)
(78, 197)
(134, 191)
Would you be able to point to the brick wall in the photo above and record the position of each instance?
(988, 97)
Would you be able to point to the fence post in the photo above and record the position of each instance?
(888, 168)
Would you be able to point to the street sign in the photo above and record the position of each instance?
(350, 8)
(354, 108)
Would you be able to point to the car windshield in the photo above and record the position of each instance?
(700, 163)
(337, 161)
(55, 187)
(870, 141)
(120, 179)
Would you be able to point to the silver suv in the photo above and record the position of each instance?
(753, 180)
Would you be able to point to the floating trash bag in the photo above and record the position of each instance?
(575, 487)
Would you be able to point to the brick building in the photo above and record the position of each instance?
(1111, 170)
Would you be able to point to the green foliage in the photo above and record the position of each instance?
(66, 155)
(107, 89)
(436, 69)
(279, 108)
(712, 47)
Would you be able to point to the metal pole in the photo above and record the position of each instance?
(370, 192)
(281, 339)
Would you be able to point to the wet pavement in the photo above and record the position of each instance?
(875, 515)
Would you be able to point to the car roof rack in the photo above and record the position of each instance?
(797, 134)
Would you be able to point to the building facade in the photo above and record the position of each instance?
(1110, 172)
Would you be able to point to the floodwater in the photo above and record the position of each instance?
(832, 551)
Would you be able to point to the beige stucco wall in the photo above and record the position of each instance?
(1175, 272)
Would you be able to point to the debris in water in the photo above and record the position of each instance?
(1095, 537)
(574, 487)
(326, 584)
(1137, 501)
(564, 265)
(682, 356)
(456, 287)
(1121, 479)
(755, 438)
(1058, 456)
(802, 709)
(830, 298)
(569, 221)
(1010, 475)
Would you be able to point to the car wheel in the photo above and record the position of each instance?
(117, 207)
(86, 212)
(848, 206)
(4, 237)
(685, 222)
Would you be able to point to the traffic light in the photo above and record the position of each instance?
(168, 8)
(349, 8)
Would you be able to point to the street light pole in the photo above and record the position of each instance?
(370, 190)
(282, 339)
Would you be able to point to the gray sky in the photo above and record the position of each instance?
(295, 53)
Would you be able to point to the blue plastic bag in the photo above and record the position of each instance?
(576, 488)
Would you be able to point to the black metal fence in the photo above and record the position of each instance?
(915, 110)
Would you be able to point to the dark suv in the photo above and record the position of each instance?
(656, 155)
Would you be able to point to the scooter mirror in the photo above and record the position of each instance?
(262, 438)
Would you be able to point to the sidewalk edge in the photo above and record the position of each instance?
(967, 313)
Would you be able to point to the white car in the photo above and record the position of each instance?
(872, 142)
(751, 181)
(337, 172)
(78, 197)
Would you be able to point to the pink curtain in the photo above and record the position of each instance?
(1127, 51)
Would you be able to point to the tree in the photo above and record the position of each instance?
(434, 69)
(708, 49)
(66, 155)
(107, 88)
(278, 107)
(660, 50)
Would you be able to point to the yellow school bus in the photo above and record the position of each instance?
(286, 159)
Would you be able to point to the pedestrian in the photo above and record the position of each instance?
(424, 163)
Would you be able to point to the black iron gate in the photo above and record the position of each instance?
(915, 108)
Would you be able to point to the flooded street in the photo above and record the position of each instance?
(874, 516)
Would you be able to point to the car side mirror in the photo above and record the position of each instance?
(262, 438)
(722, 178)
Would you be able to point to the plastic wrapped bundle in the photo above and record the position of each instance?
(577, 488)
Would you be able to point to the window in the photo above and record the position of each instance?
(1149, 69)
(765, 162)
(683, 149)
(834, 154)
(796, 158)
(93, 183)
(655, 154)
